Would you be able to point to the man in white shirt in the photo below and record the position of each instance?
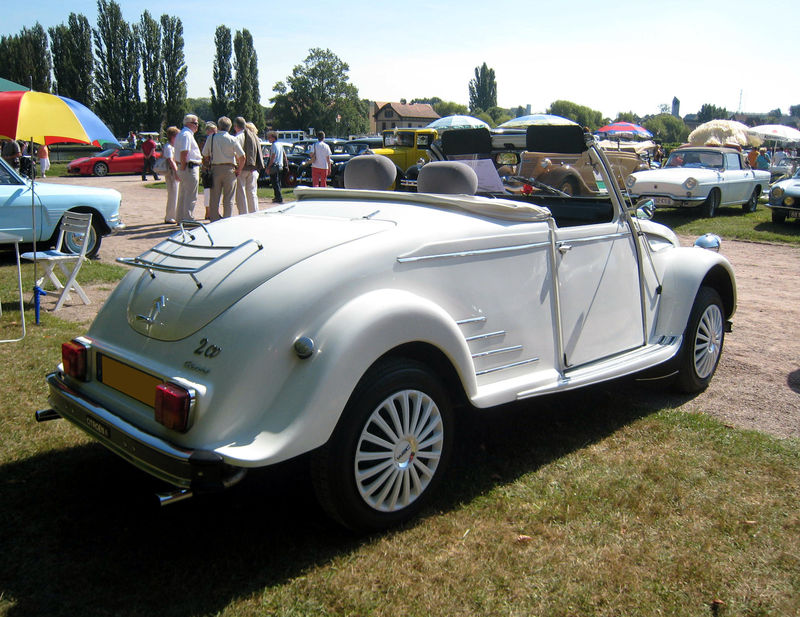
(320, 161)
(189, 157)
(223, 153)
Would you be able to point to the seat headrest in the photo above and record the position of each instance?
(369, 171)
(447, 177)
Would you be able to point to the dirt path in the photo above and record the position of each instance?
(756, 386)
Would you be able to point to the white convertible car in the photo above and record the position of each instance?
(354, 325)
(708, 177)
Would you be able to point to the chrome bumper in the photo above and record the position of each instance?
(199, 470)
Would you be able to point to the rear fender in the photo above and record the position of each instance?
(359, 333)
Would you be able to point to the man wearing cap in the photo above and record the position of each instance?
(223, 153)
(189, 158)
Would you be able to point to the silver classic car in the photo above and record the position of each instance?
(354, 326)
(708, 177)
(784, 199)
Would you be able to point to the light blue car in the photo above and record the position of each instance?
(49, 203)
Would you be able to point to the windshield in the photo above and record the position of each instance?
(106, 152)
(695, 158)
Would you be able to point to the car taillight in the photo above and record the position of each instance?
(74, 358)
(173, 404)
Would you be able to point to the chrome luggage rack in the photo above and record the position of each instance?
(216, 253)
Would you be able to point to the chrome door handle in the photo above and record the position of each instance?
(563, 248)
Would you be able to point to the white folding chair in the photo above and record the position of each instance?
(79, 225)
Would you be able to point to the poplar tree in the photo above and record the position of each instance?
(26, 58)
(73, 62)
(222, 92)
(116, 68)
(246, 95)
(149, 41)
(482, 89)
(173, 70)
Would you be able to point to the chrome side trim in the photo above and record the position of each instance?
(506, 366)
(614, 236)
(478, 337)
(461, 322)
(493, 352)
(473, 253)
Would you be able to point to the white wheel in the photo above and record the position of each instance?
(702, 342)
(389, 450)
(398, 451)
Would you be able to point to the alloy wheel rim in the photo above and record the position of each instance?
(398, 451)
(708, 341)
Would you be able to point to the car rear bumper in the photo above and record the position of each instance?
(199, 470)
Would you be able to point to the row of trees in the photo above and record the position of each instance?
(103, 67)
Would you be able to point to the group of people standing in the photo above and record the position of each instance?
(13, 151)
(232, 158)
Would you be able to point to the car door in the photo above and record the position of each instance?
(737, 182)
(125, 161)
(16, 209)
(598, 278)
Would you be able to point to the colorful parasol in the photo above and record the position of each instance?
(49, 119)
(624, 129)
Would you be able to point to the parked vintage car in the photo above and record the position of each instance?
(784, 168)
(708, 177)
(51, 201)
(233, 345)
(784, 199)
(112, 161)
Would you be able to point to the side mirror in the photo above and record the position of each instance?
(507, 158)
(645, 208)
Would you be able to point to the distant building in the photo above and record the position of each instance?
(676, 107)
(384, 116)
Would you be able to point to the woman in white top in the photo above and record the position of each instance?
(171, 175)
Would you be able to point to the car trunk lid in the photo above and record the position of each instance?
(192, 277)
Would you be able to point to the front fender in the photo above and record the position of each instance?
(685, 270)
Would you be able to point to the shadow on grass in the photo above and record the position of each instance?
(81, 536)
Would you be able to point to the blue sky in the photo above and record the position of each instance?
(614, 56)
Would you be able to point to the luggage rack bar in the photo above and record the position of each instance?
(221, 253)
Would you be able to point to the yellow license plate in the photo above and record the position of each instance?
(128, 380)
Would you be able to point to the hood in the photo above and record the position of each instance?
(78, 162)
(791, 184)
(241, 254)
(675, 175)
(76, 191)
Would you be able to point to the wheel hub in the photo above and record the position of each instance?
(404, 452)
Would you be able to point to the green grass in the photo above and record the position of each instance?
(608, 501)
(732, 222)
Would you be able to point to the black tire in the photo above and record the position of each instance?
(398, 474)
(568, 186)
(778, 217)
(290, 179)
(703, 340)
(100, 169)
(710, 205)
(72, 242)
(752, 204)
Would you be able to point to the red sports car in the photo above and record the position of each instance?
(113, 161)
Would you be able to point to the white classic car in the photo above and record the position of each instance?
(354, 324)
(707, 176)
